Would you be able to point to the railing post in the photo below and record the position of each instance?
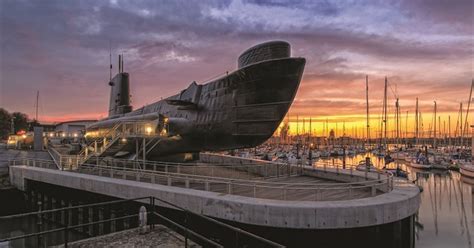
(169, 181)
(255, 190)
(350, 191)
(153, 210)
(206, 185)
(40, 225)
(351, 171)
(61, 162)
(229, 187)
(391, 182)
(66, 228)
(186, 183)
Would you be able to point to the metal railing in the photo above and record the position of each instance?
(240, 238)
(105, 140)
(256, 188)
(241, 171)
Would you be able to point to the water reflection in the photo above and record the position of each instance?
(446, 214)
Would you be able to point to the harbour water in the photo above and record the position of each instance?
(446, 215)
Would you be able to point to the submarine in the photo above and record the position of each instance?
(240, 109)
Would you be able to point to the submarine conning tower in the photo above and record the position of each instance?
(264, 51)
(120, 92)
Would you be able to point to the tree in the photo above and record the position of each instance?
(5, 124)
(21, 121)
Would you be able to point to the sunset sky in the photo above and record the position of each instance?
(61, 48)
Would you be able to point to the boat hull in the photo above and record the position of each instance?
(467, 170)
(420, 166)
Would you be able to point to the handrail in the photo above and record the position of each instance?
(224, 179)
(383, 184)
(188, 176)
(151, 201)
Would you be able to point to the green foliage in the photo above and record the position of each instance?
(5, 118)
(20, 121)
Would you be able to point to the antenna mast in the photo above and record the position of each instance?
(110, 61)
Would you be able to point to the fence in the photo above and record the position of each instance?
(234, 236)
(256, 187)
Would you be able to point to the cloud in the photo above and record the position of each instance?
(424, 47)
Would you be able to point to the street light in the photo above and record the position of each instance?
(13, 125)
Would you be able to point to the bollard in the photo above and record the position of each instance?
(142, 220)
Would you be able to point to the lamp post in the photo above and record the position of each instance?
(12, 124)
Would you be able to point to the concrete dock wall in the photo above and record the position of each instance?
(400, 203)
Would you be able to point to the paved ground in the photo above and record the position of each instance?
(161, 236)
(8, 154)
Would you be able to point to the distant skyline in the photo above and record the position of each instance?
(61, 48)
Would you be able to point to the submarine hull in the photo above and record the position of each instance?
(240, 109)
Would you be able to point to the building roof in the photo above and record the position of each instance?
(74, 121)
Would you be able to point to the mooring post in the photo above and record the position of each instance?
(142, 220)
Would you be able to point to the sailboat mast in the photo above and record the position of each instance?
(449, 131)
(385, 113)
(467, 114)
(37, 100)
(406, 129)
(367, 105)
(434, 126)
(397, 119)
(416, 123)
